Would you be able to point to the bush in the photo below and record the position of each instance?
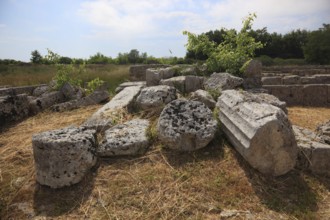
(93, 85)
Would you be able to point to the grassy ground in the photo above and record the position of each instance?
(16, 75)
(162, 184)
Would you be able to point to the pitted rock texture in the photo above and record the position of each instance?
(186, 125)
(41, 90)
(63, 157)
(184, 84)
(125, 139)
(45, 101)
(204, 97)
(102, 118)
(153, 76)
(13, 108)
(92, 99)
(156, 96)
(222, 81)
(314, 153)
(260, 132)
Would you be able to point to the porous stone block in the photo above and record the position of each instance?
(129, 84)
(186, 125)
(156, 96)
(184, 84)
(154, 76)
(260, 132)
(204, 97)
(13, 108)
(125, 139)
(45, 101)
(63, 157)
(138, 72)
(222, 81)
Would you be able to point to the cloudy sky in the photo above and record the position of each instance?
(80, 28)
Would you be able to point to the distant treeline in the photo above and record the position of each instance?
(312, 46)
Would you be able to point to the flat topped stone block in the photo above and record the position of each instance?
(259, 131)
(63, 157)
(125, 139)
(222, 81)
(186, 125)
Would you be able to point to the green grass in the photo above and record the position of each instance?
(22, 75)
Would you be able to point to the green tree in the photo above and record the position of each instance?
(36, 57)
(229, 55)
(317, 49)
(99, 58)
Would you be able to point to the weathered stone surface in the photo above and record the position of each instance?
(45, 101)
(68, 91)
(313, 154)
(102, 120)
(129, 84)
(126, 139)
(222, 81)
(63, 157)
(260, 132)
(138, 72)
(13, 108)
(292, 95)
(253, 69)
(316, 95)
(154, 76)
(18, 90)
(156, 96)
(185, 84)
(204, 97)
(266, 98)
(186, 125)
(92, 99)
(40, 90)
(274, 80)
(323, 132)
(291, 80)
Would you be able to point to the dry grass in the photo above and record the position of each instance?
(162, 184)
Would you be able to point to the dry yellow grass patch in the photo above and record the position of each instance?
(162, 184)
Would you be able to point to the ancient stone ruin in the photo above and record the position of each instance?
(255, 124)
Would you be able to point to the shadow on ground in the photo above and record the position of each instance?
(288, 194)
(55, 202)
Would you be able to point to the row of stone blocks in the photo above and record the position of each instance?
(296, 80)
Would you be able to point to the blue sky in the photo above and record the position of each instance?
(80, 28)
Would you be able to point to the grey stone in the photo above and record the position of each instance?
(138, 72)
(253, 69)
(129, 84)
(184, 84)
(45, 101)
(18, 90)
(92, 99)
(323, 132)
(265, 98)
(274, 80)
(68, 91)
(222, 81)
(102, 119)
(13, 108)
(291, 80)
(260, 132)
(204, 97)
(40, 90)
(186, 125)
(316, 95)
(125, 139)
(153, 76)
(156, 96)
(63, 157)
(313, 154)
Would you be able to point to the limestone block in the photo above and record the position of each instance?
(156, 96)
(102, 120)
(125, 139)
(129, 84)
(68, 91)
(92, 99)
(40, 90)
(291, 80)
(186, 125)
(184, 84)
(153, 76)
(13, 108)
(138, 72)
(45, 101)
(313, 154)
(63, 157)
(274, 80)
(260, 132)
(204, 97)
(222, 81)
(315, 95)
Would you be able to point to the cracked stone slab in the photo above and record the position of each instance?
(125, 139)
(64, 156)
(222, 81)
(260, 132)
(186, 125)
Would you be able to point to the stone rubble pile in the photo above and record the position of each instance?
(256, 124)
